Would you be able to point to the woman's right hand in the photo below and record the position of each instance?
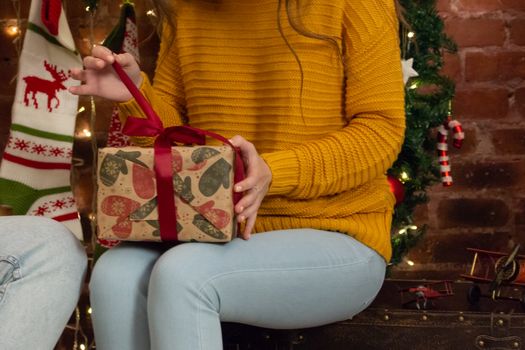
(99, 78)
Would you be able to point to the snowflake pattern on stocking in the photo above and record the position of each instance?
(22, 145)
(55, 205)
(28, 147)
(39, 149)
(131, 43)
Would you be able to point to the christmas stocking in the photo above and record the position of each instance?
(123, 38)
(35, 170)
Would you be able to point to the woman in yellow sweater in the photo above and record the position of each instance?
(314, 89)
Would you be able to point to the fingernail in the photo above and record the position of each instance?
(241, 209)
(241, 218)
(238, 188)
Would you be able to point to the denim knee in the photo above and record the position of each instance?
(42, 244)
(186, 269)
(42, 251)
(60, 247)
(106, 274)
(123, 267)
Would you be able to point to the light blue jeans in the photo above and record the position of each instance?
(144, 297)
(42, 268)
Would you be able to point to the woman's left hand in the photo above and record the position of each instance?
(255, 185)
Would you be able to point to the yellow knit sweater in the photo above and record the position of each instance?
(230, 71)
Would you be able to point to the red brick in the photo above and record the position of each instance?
(476, 31)
(468, 212)
(519, 96)
(513, 5)
(509, 141)
(452, 66)
(443, 6)
(478, 5)
(488, 174)
(517, 31)
(503, 65)
(478, 103)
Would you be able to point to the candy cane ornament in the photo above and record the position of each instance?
(442, 147)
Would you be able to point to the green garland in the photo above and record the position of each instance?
(427, 101)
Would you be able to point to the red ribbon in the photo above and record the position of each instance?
(163, 160)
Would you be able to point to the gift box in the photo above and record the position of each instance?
(167, 193)
(127, 201)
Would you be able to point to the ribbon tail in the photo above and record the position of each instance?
(165, 191)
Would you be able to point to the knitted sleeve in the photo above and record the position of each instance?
(374, 107)
(168, 96)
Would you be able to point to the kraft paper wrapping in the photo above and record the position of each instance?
(203, 186)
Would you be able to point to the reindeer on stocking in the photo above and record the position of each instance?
(49, 87)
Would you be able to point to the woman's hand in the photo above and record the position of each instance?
(255, 185)
(99, 77)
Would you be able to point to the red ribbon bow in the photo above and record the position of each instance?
(163, 160)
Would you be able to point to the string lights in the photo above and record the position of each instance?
(11, 27)
(403, 177)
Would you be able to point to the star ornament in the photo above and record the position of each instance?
(408, 71)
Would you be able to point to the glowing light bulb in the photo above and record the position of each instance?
(404, 176)
(86, 133)
(87, 9)
(82, 347)
(411, 34)
(151, 13)
(410, 263)
(414, 86)
(413, 227)
(81, 109)
(13, 30)
(402, 231)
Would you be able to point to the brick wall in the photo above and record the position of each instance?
(486, 206)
